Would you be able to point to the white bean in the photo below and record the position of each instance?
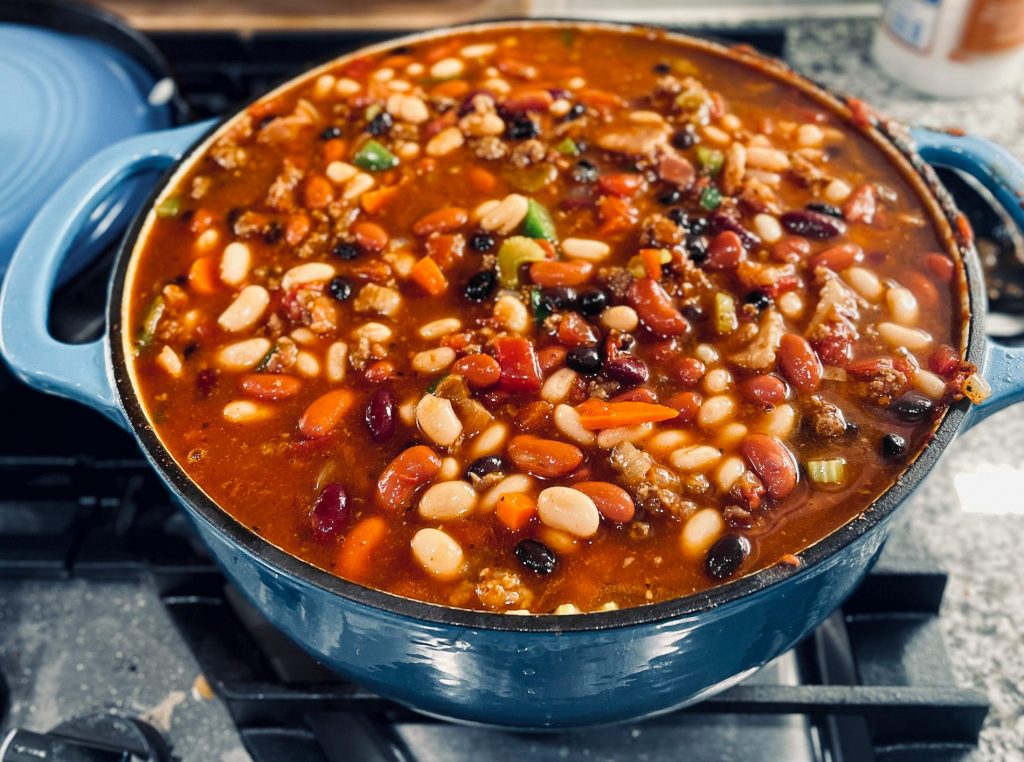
(865, 283)
(447, 68)
(307, 365)
(444, 142)
(706, 353)
(375, 333)
(303, 336)
(770, 159)
(478, 50)
(437, 420)
(810, 135)
(447, 500)
(620, 318)
(695, 458)
(929, 384)
(768, 227)
(310, 272)
(667, 440)
(243, 355)
(717, 136)
(731, 435)
(346, 87)
(438, 554)
(432, 361)
(567, 421)
(247, 309)
(336, 362)
(207, 240)
(897, 336)
(837, 191)
(323, 86)
(235, 263)
(715, 411)
(506, 216)
(246, 411)
(489, 441)
(700, 532)
(357, 186)
(903, 305)
(729, 470)
(408, 108)
(339, 173)
(438, 328)
(779, 422)
(558, 385)
(609, 438)
(450, 469)
(717, 381)
(586, 249)
(790, 304)
(569, 510)
(507, 486)
(168, 360)
(511, 313)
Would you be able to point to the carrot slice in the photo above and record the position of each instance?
(358, 546)
(203, 276)
(481, 180)
(652, 262)
(514, 510)
(598, 414)
(334, 150)
(429, 276)
(375, 200)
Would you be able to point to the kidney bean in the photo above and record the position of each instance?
(791, 249)
(689, 370)
(627, 369)
(766, 391)
(798, 363)
(812, 224)
(838, 258)
(479, 370)
(446, 220)
(719, 222)
(546, 458)
(318, 192)
(864, 370)
(655, 308)
(941, 266)
(637, 394)
(380, 414)
(944, 361)
(861, 205)
(554, 273)
(270, 386)
(611, 500)
(922, 288)
(330, 511)
(398, 483)
(520, 370)
(726, 556)
(575, 331)
(370, 237)
(773, 462)
(725, 251)
(688, 404)
(551, 357)
(325, 413)
(621, 184)
(379, 372)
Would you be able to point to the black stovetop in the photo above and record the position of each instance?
(79, 508)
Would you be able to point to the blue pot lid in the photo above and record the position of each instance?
(65, 97)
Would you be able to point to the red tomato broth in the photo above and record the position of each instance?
(266, 474)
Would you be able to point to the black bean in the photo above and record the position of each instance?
(339, 288)
(593, 302)
(380, 414)
(698, 225)
(585, 360)
(482, 242)
(273, 232)
(330, 510)
(911, 407)
(330, 133)
(584, 172)
(521, 127)
(662, 68)
(812, 224)
(679, 217)
(559, 298)
(346, 251)
(628, 370)
(674, 196)
(685, 137)
(894, 447)
(380, 124)
(577, 110)
(726, 555)
(488, 464)
(480, 286)
(696, 248)
(852, 429)
(831, 211)
(759, 299)
(536, 556)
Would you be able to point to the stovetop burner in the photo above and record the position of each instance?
(88, 533)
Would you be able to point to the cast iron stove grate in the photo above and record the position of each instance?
(873, 683)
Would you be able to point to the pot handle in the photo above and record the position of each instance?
(77, 371)
(1002, 174)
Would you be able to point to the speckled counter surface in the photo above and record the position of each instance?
(983, 613)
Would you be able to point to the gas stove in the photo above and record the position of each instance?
(120, 640)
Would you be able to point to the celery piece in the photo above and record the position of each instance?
(169, 207)
(710, 160)
(725, 313)
(827, 471)
(515, 252)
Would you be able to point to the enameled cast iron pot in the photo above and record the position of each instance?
(526, 672)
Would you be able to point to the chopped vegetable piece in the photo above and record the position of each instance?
(830, 471)
(710, 198)
(520, 369)
(150, 322)
(538, 222)
(513, 254)
(541, 308)
(598, 414)
(568, 147)
(428, 275)
(653, 259)
(375, 200)
(710, 160)
(169, 207)
(515, 510)
(725, 313)
(374, 157)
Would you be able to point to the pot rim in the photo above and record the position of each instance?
(890, 137)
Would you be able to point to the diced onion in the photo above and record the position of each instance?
(976, 388)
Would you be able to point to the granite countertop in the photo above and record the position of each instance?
(970, 512)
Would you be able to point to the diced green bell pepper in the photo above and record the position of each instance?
(374, 157)
(538, 222)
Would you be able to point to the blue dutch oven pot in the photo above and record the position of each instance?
(538, 671)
